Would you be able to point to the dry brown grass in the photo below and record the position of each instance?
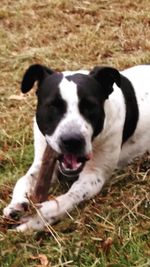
(113, 229)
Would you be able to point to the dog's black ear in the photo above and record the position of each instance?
(34, 73)
(106, 76)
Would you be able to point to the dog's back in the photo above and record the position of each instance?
(139, 142)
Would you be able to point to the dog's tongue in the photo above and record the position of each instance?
(70, 161)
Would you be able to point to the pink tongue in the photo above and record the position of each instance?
(70, 161)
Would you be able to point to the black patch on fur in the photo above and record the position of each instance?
(91, 100)
(132, 111)
(51, 107)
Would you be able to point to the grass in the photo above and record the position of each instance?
(113, 229)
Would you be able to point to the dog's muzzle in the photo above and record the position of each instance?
(72, 158)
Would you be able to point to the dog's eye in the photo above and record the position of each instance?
(88, 104)
(89, 108)
(56, 104)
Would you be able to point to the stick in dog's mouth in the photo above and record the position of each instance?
(69, 165)
(45, 175)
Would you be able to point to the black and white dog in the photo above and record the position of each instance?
(96, 121)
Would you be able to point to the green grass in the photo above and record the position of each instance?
(113, 229)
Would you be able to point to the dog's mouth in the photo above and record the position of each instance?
(71, 165)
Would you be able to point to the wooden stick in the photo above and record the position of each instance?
(45, 176)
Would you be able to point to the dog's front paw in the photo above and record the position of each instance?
(47, 213)
(16, 210)
(31, 223)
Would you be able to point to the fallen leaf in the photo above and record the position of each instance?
(42, 258)
(106, 245)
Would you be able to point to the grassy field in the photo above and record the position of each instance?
(112, 230)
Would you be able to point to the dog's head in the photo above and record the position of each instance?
(70, 110)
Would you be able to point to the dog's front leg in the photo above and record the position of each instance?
(88, 185)
(22, 190)
(26, 184)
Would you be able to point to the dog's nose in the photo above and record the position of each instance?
(73, 144)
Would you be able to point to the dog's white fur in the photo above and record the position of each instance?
(106, 148)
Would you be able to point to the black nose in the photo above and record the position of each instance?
(73, 144)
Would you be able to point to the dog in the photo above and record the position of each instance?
(96, 121)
